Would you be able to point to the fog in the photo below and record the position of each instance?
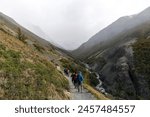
(69, 22)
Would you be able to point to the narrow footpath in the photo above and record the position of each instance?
(75, 95)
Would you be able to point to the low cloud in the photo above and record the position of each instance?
(70, 22)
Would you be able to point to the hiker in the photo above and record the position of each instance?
(74, 79)
(66, 71)
(79, 81)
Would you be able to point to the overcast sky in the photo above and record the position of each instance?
(70, 22)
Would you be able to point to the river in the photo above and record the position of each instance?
(99, 87)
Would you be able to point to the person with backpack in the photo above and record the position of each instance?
(66, 71)
(74, 77)
(79, 81)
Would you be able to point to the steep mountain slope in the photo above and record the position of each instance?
(28, 65)
(31, 68)
(122, 60)
(13, 26)
(111, 32)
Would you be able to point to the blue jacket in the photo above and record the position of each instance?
(80, 77)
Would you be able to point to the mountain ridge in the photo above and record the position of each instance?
(122, 61)
(119, 26)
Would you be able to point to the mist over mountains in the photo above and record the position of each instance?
(116, 59)
(32, 68)
(38, 31)
(120, 54)
(118, 27)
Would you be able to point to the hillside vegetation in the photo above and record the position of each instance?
(26, 73)
(142, 58)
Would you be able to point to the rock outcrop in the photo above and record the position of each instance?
(118, 75)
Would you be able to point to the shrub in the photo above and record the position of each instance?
(39, 48)
(21, 36)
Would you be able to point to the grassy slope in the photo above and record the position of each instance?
(27, 74)
(96, 93)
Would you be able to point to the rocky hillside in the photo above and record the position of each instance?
(122, 61)
(28, 65)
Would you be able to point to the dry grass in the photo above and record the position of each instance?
(28, 73)
(97, 94)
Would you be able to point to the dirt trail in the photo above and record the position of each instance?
(85, 95)
(75, 95)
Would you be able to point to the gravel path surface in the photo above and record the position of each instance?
(85, 95)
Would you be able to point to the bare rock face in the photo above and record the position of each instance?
(125, 84)
(119, 78)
